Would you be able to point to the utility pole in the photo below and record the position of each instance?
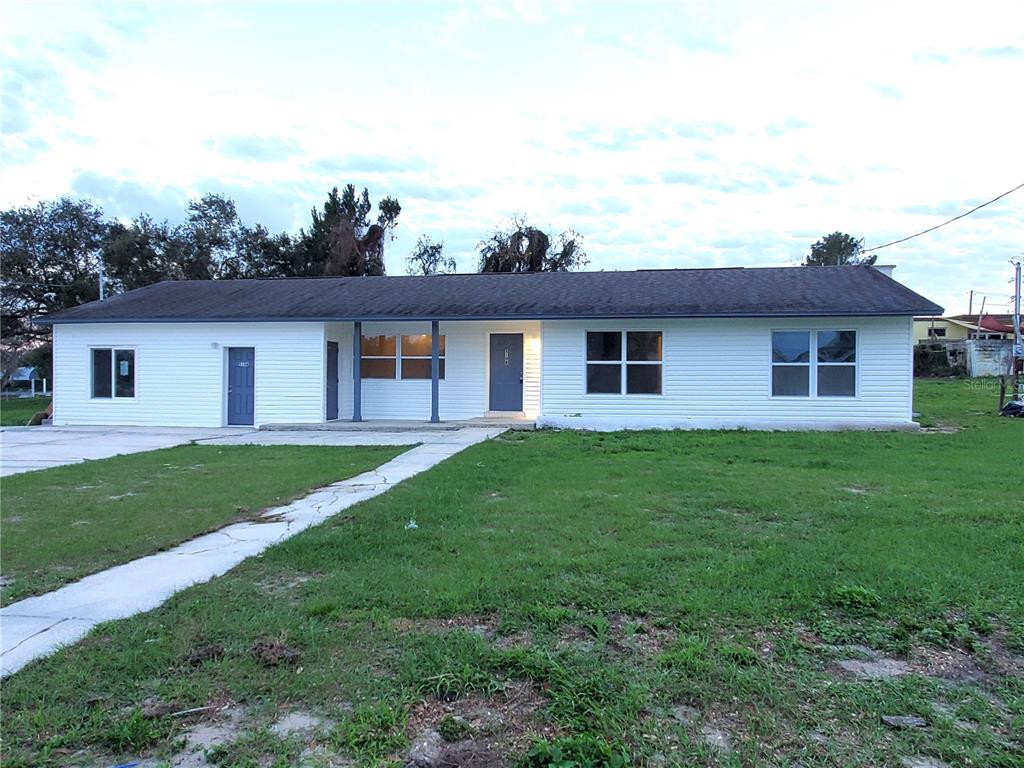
(1018, 344)
(1018, 341)
(970, 303)
(103, 290)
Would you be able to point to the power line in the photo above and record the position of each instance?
(932, 229)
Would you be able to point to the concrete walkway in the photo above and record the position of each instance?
(39, 625)
(23, 449)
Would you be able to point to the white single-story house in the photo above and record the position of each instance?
(791, 347)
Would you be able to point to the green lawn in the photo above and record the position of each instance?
(641, 594)
(63, 523)
(16, 411)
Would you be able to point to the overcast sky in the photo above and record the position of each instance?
(669, 135)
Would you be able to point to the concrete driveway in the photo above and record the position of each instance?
(23, 449)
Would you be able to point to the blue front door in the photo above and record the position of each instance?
(506, 372)
(332, 380)
(241, 385)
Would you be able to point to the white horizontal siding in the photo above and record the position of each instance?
(717, 373)
(463, 392)
(180, 371)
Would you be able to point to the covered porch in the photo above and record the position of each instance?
(450, 374)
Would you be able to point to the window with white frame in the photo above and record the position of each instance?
(624, 361)
(113, 373)
(399, 357)
(819, 363)
(836, 363)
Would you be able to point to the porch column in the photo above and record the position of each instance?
(435, 369)
(357, 374)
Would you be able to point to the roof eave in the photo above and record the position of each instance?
(483, 318)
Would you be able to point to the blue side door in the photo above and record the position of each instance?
(332, 380)
(506, 389)
(241, 385)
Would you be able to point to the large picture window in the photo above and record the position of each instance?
(399, 357)
(624, 361)
(820, 363)
(113, 373)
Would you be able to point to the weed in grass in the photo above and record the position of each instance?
(133, 732)
(449, 665)
(598, 627)
(856, 599)
(688, 655)
(583, 751)
(738, 655)
(321, 608)
(453, 728)
(372, 732)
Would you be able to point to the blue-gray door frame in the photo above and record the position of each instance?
(435, 371)
(241, 386)
(505, 361)
(332, 381)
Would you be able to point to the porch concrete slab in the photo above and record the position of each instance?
(40, 625)
(25, 449)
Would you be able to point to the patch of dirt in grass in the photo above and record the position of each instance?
(220, 727)
(576, 637)
(1004, 660)
(625, 634)
(204, 653)
(298, 722)
(855, 489)
(284, 584)
(639, 634)
(949, 664)
(521, 639)
(875, 669)
(272, 652)
(717, 730)
(480, 624)
(498, 726)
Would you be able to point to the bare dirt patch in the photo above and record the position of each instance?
(221, 727)
(204, 653)
(876, 669)
(273, 652)
(479, 624)
(496, 727)
(297, 722)
(638, 634)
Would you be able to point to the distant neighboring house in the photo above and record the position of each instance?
(24, 378)
(957, 328)
(791, 347)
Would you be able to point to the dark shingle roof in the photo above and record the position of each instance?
(764, 292)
